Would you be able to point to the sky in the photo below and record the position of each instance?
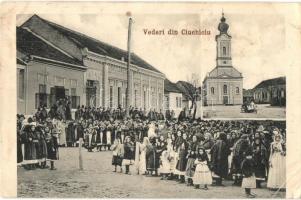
(258, 41)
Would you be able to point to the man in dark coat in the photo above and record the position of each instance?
(219, 158)
(240, 149)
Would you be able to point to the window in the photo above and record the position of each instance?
(160, 100)
(21, 84)
(237, 90)
(66, 92)
(42, 88)
(166, 102)
(111, 96)
(135, 98)
(282, 93)
(212, 90)
(119, 96)
(178, 102)
(225, 89)
(224, 51)
(144, 99)
(73, 91)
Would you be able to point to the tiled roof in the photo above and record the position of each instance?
(29, 44)
(170, 86)
(96, 46)
(271, 82)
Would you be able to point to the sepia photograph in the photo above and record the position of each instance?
(151, 105)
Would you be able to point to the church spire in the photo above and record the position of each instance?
(223, 26)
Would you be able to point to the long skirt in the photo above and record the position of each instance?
(117, 160)
(108, 134)
(173, 163)
(277, 177)
(142, 162)
(202, 175)
(249, 182)
(165, 167)
(190, 168)
(42, 153)
(30, 154)
(181, 165)
(19, 152)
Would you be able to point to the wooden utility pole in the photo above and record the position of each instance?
(129, 86)
(80, 159)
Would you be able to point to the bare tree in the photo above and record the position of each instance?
(191, 91)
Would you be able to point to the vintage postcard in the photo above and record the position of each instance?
(150, 100)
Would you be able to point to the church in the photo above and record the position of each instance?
(224, 84)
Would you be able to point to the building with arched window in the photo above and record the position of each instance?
(224, 84)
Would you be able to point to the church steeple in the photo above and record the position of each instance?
(223, 44)
(223, 26)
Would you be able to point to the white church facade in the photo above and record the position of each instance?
(224, 84)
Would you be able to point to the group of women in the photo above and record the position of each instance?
(206, 153)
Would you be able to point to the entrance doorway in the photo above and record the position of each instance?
(91, 93)
(225, 100)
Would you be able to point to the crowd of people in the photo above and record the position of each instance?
(208, 152)
(39, 136)
(195, 152)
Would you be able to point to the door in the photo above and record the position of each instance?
(225, 100)
(59, 92)
(91, 96)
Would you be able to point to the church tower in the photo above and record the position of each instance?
(224, 84)
(223, 45)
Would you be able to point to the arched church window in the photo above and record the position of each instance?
(212, 90)
(225, 88)
(224, 51)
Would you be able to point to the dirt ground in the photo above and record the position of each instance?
(263, 111)
(97, 180)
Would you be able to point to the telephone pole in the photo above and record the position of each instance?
(129, 86)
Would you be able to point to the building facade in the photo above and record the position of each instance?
(224, 84)
(65, 63)
(271, 91)
(173, 98)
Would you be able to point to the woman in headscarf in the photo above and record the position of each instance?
(276, 177)
(192, 151)
(129, 154)
(152, 162)
(142, 156)
(207, 143)
(30, 154)
(51, 137)
(260, 159)
(182, 163)
(240, 149)
(117, 154)
(219, 159)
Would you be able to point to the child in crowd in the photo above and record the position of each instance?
(249, 179)
(117, 154)
(164, 169)
(202, 175)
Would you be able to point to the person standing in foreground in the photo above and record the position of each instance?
(219, 159)
(52, 146)
(249, 180)
(277, 178)
(129, 152)
(202, 175)
(117, 154)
